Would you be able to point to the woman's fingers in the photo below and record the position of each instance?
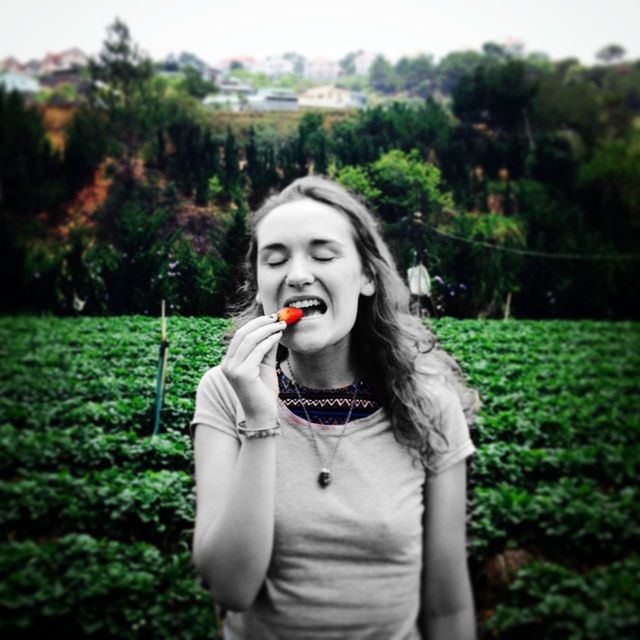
(253, 339)
(257, 356)
(246, 329)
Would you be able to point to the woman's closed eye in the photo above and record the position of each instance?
(276, 262)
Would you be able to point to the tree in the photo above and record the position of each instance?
(398, 184)
(347, 64)
(454, 66)
(121, 85)
(382, 76)
(120, 66)
(30, 168)
(495, 50)
(195, 85)
(495, 95)
(611, 53)
(417, 75)
(298, 62)
(312, 143)
(231, 177)
(407, 184)
(85, 147)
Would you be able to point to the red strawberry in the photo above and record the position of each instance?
(290, 314)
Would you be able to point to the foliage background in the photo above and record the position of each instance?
(525, 171)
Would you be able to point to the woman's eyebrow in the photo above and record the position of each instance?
(316, 242)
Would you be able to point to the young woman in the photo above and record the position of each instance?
(331, 480)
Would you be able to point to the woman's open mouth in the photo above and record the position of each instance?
(310, 306)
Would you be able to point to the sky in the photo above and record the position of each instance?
(218, 29)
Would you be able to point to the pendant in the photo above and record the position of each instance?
(324, 478)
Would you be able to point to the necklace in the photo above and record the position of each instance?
(324, 477)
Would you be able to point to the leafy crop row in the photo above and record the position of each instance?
(552, 602)
(155, 506)
(98, 518)
(80, 587)
(570, 518)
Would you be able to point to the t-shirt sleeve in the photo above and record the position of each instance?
(215, 405)
(454, 425)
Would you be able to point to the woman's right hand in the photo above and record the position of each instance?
(249, 365)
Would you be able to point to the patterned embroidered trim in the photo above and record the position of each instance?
(328, 406)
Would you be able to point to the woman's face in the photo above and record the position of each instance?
(307, 257)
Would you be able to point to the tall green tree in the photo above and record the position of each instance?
(382, 76)
(232, 178)
(121, 86)
(31, 170)
(195, 85)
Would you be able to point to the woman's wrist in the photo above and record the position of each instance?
(259, 428)
(257, 422)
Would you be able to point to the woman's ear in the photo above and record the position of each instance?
(258, 298)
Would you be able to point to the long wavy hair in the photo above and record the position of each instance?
(396, 349)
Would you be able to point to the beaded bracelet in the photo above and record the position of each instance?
(263, 432)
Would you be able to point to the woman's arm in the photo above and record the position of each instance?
(233, 537)
(235, 482)
(447, 611)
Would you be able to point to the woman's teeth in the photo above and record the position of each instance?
(311, 307)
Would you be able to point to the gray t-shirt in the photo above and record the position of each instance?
(347, 559)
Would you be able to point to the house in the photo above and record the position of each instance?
(275, 66)
(233, 87)
(332, 97)
(248, 62)
(11, 64)
(321, 69)
(33, 67)
(20, 82)
(273, 99)
(363, 61)
(64, 61)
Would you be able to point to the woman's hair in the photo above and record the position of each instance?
(396, 349)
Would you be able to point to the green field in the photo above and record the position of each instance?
(97, 519)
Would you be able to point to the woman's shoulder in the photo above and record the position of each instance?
(430, 371)
(214, 380)
(213, 374)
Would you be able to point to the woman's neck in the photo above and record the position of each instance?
(331, 368)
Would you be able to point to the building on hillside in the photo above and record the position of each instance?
(20, 82)
(212, 74)
(363, 61)
(332, 97)
(275, 66)
(64, 61)
(248, 62)
(173, 66)
(321, 69)
(514, 47)
(33, 68)
(233, 87)
(10, 64)
(273, 99)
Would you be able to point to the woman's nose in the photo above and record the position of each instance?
(299, 273)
